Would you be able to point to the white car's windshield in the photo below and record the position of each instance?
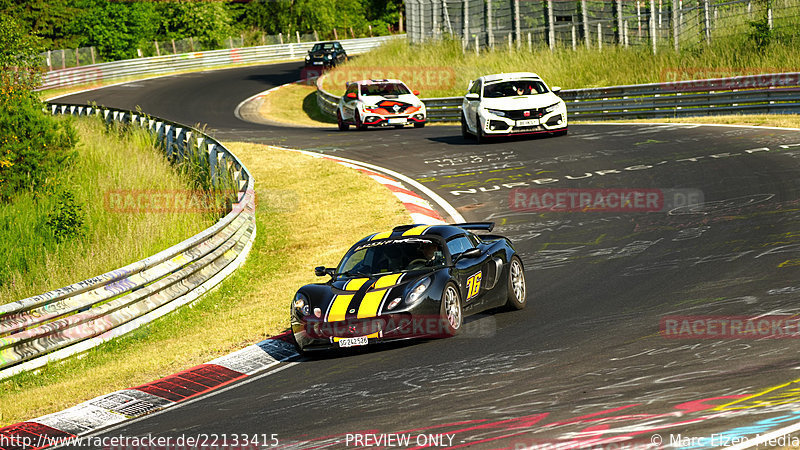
(390, 256)
(384, 89)
(514, 88)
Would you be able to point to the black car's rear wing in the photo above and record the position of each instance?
(476, 226)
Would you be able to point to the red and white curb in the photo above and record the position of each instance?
(64, 427)
(420, 210)
(260, 96)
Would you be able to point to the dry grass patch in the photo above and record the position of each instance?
(294, 104)
(311, 211)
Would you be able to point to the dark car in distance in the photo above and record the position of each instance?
(325, 55)
(414, 281)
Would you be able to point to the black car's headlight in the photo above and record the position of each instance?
(308, 57)
(328, 56)
(416, 293)
(497, 112)
(300, 303)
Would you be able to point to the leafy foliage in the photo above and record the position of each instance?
(66, 219)
(118, 28)
(33, 145)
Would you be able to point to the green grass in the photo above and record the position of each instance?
(95, 237)
(583, 68)
(298, 229)
(282, 106)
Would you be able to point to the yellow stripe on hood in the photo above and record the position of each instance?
(383, 235)
(372, 300)
(341, 302)
(416, 231)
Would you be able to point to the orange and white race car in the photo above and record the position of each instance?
(380, 103)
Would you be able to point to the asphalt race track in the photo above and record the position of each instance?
(584, 364)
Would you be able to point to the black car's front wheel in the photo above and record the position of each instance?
(516, 284)
(452, 314)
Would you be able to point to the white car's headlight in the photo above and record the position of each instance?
(552, 108)
(497, 112)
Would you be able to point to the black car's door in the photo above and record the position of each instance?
(468, 272)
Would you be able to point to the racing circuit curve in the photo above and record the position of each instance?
(585, 363)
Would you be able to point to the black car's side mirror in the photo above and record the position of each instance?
(321, 271)
(471, 253)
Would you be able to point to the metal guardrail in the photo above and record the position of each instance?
(197, 60)
(753, 94)
(72, 319)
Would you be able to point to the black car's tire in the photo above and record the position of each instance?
(517, 289)
(343, 126)
(464, 129)
(419, 125)
(297, 346)
(479, 136)
(359, 124)
(451, 311)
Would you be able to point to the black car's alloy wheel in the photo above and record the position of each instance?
(452, 315)
(516, 284)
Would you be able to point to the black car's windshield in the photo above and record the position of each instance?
(384, 89)
(390, 256)
(514, 88)
(320, 47)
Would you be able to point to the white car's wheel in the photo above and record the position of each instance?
(479, 136)
(343, 126)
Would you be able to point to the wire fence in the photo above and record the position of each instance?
(595, 23)
(84, 56)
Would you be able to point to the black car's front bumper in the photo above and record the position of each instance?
(423, 322)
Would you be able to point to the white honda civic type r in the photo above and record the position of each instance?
(511, 104)
(379, 103)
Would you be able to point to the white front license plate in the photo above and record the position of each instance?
(527, 123)
(398, 121)
(317, 63)
(353, 342)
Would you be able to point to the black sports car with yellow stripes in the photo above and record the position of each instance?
(415, 281)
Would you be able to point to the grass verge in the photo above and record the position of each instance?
(304, 219)
(72, 233)
(762, 120)
(440, 69)
(281, 106)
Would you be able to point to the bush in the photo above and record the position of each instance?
(33, 145)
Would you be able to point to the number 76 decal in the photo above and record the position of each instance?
(473, 285)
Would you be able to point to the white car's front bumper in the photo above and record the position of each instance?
(537, 122)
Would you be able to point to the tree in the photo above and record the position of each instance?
(33, 145)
